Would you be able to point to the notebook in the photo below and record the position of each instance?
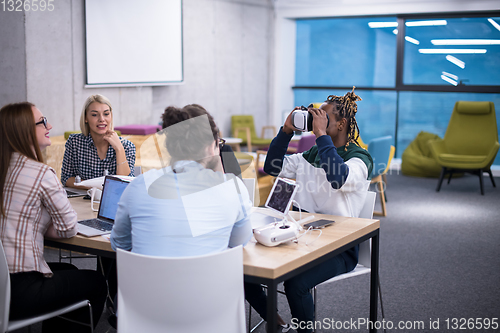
(111, 193)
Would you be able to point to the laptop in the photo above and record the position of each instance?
(113, 188)
(279, 202)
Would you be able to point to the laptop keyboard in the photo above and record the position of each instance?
(97, 224)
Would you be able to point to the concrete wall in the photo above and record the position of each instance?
(227, 47)
(12, 58)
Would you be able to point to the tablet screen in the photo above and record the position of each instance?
(281, 195)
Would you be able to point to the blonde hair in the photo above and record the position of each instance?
(84, 127)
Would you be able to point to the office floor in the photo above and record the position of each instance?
(439, 260)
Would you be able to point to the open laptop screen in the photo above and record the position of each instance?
(111, 194)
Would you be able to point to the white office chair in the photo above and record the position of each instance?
(182, 295)
(364, 255)
(6, 325)
(250, 186)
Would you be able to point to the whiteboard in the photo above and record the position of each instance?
(133, 43)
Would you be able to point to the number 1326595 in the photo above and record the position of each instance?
(27, 5)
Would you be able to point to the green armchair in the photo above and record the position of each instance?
(243, 127)
(470, 143)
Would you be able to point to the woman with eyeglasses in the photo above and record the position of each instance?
(98, 148)
(33, 205)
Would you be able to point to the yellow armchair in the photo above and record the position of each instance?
(470, 143)
(243, 127)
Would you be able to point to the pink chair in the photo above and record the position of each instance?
(138, 129)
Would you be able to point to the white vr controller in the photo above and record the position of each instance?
(276, 233)
(279, 232)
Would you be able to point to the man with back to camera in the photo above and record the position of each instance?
(190, 207)
(334, 176)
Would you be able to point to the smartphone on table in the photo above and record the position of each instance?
(319, 224)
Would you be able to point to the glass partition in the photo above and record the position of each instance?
(431, 112)
(345, 52)
(444, 60)
(452, 51)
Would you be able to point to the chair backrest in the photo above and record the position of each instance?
(380, 150)
(472, 128)
(247, 166)
(4, 291)
(137, 170)
(182, 295)
(360, 141)
(243, 121)
(367, 210)
(306, 142)
(250, 185)
(365, 248)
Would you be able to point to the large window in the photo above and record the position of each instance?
(454, 51)
(345, 52)
(431, 112)
(409, 71)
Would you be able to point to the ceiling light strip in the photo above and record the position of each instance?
(426, 23)
(465, 41)
(493, 23)
(412, 40)
(447, 79)
(455, 61)
(452, 76)
(382, 24)
(452, 51)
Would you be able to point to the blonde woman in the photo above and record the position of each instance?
(98, 147)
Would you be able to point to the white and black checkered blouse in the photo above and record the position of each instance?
(81, 158)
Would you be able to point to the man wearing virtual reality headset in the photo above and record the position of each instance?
(334, 176)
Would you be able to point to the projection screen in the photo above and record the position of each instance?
(133, 43)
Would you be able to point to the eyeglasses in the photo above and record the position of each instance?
(43, 121)
(222, 142)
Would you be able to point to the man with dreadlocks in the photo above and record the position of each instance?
(333, 178)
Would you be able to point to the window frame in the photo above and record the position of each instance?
(400, 45)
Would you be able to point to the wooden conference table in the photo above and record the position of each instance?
(268, 265)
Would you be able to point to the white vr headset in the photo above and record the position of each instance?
(302, 119)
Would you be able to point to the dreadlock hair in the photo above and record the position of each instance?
(346, 107)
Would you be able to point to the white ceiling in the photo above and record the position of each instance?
(325, 8)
